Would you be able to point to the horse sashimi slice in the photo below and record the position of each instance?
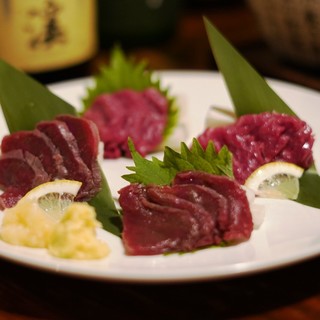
(186, 197)
(240, 225)
(210, 200)
(150, 228)
(87, 138)
(256, 139)
(40, 146)
(65, 142)
(140, 115)
(20, 171)
(86, 134)
(11, 196)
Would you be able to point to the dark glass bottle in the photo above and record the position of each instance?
(51, 40)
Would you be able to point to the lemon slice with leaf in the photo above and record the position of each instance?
(276, 180)
(54, 196)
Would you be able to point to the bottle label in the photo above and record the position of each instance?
(44, 35)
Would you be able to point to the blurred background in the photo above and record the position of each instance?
(281, 38)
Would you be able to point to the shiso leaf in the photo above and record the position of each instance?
(24, 103)
(125, 73)
(248, 90)
(159, 172)
(250, 93)
(147, 171)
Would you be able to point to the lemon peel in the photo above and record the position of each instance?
(276, 180)
(54, 196)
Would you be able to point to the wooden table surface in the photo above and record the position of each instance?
(291, 292)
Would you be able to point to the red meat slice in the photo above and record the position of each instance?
(190, 198)
(257, 139)
(20, 171)
(142, 116)
(150, 228)
(11, 196)
(21, 168)
(40, 146)
(86, 135)
(240, 225)
(156, 218)
(66, 143)
(49, 152)
(87, 138)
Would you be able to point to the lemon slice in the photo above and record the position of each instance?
(276, 180)
(54, 196)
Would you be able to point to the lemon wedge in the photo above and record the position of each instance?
(54, 196)
(276, 180)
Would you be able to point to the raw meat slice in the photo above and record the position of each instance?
(11, 196)
(40, 146)
(150, 228)
(257, 139)
(20, 171)
(156, 218)
(65, 142)
(142, 116)
(240, 225)
(87, 138)
(186, 197)
(21, 168)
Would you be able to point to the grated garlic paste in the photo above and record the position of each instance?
(72, 237)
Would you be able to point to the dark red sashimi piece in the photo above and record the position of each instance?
(19, 168)
(11, 196)
(257, 139)
(240, 223)
(19, 172)
(40, 146)
(65, 142)
(86, 135)
(213, 202)
(108, 114)
(142, 116)
(150, 228)
(87, 138)
(179, 197)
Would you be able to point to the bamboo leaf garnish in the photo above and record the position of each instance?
(24, 103)
(309, 188)
(249, 91)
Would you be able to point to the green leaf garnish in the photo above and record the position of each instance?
(24, 103)
(249, 91)
(309, 188)
(125, 73)
(159, 172)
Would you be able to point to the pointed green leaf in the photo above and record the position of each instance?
(106, 210)
(163, 172)
(310, 189)
(25, 101)
(249, 91)
(147, 171)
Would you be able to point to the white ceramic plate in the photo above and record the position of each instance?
(289, 234)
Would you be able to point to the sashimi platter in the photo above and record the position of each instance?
(136, 175)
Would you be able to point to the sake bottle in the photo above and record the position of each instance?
(51, 40)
